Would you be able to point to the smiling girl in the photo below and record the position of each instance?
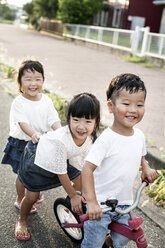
(32, 114)
(59, 158)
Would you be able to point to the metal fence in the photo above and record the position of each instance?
(139, 42)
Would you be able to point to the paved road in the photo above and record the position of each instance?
(72, 68)
(45, 232)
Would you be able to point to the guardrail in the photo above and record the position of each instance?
(139, 42)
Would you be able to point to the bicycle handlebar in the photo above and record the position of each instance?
(145, 183)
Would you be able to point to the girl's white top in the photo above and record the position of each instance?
(118, 159)
(54, 148)
(40, 115)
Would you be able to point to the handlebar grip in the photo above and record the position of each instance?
(146, 180)
(84, 217)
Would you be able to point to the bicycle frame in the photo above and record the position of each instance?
(133, 232)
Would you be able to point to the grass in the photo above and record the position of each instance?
(134, 59)
(60, 105)
(6, 21)
(8, 70)
(140, 60)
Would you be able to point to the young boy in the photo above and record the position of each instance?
(114, 160)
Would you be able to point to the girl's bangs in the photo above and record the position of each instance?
(84, 109)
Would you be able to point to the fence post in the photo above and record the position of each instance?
(115, 37)
(161, 45)
(100, 34)
(77, 30)
(87, 33)
(135, 41)
(144, 41)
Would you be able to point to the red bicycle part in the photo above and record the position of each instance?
(135, 223)
(135, 235)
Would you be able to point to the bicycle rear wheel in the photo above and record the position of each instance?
(63, 213)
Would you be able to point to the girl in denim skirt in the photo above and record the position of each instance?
(58, 158)
(32, 114)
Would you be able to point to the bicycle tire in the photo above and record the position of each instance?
(63, 213)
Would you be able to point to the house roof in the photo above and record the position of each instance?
(159, 2)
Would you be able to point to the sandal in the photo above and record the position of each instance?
(18, 206)
(41, 198)
(21, 234)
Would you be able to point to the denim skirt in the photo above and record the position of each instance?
(13, 152)
(36, 179)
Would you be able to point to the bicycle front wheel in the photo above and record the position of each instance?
(63, 213)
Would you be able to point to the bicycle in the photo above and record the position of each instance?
(72, 224)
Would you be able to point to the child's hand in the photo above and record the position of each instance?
(76, 203)
(94, 210)
(150, 174)
(35, 137)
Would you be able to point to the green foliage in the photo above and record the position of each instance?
(28, 8)
(68, 11)
(157, 189)
(31, 16)
(135, 59)
(46, 8)
(40, 8)
(8, 70)
(148, 65)
(60, 105)
(78, 11)
(7, 13)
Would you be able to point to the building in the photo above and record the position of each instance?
(127, 14)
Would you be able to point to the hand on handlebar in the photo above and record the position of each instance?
(94, 210)
(76, 203)
(150, 174)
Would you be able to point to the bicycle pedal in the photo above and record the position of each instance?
(135, 223)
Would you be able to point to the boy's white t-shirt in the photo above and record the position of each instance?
(40, 115)
(118, 159)
(56, 147)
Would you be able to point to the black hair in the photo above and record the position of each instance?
(127, 81)
(32, 65)
(85, 105)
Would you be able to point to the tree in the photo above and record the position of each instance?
(46, 8)
(78, 11)
(40, 8)
(7, 13)
(28, 8)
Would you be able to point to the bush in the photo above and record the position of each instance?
(8, 70)
(157, 189)
(60, 105)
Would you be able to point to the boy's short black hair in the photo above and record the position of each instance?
(127, 81)
(32, 65)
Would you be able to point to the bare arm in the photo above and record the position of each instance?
(147, 172)
(56, 125)
(76, 200)
(26, 128)
(88, 191)
(35, 136)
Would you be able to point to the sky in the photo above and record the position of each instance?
(19, 3)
